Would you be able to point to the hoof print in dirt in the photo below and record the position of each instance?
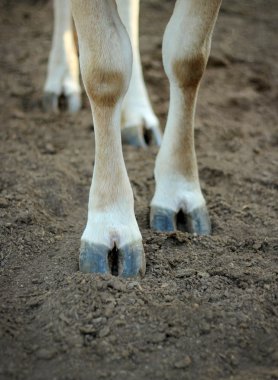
(165, 220)
(128, 261)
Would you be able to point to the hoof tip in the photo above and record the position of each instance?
(165, 220)
(128, 261)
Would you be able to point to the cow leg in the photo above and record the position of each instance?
(140, 125)
(186, 47)
(63, 68)
(111, 242)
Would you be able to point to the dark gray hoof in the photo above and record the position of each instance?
(128, 261)
(162, 219)
(53, 103)
(196, 221)
(140, 136)
(50, 102)
(74, 102)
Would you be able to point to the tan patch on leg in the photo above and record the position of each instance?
(104, 87)
(189, 72)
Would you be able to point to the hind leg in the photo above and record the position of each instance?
(63, 68)
(139, 122)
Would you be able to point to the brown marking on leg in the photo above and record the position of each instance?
(186, 159)
(189, 71)
(104, 87)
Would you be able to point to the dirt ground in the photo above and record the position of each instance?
(207, 307)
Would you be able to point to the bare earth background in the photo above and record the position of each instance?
(207, 308)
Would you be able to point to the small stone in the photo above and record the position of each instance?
(133, 284)
(203, 274)
(204, 328)
(108, 312)
(257, 246)
(169, 298)
(36, 281)
(274, 356)
(104, 332)
(87, 329)
(119, 322)
(185, 273)
(35, 302)
(183, 363)
(18, 114)
(99, 320)
(116, 284)
(157, 337)
(45, 354)
(49, 148)
(64, 318)
(4, 203)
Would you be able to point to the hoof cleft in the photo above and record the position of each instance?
(127, 261)
(165, 220)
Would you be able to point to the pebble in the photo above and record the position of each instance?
(185, 273)
(204, 328)
(117, 285)
(37, 281)
(133, 284)
(87, 329)
(183, 363)
(4, 203)
(157, 337)
(203, 274)
(104, 331)
(99, 320)
(45, 354)
(49, 148)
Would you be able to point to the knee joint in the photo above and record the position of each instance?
(188, 71)
(105, 87)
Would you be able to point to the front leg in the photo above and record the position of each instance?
(186, 47)
(111, 242)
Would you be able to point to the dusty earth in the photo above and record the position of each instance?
(207, 307)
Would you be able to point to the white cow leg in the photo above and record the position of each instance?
(63, 68)
(140, 126)
(186, 47)
(111, 242)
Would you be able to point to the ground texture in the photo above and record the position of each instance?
(207, 307)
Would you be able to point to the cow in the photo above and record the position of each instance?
(107, 32)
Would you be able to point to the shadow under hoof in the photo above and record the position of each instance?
(196, 221)
(128, 261)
